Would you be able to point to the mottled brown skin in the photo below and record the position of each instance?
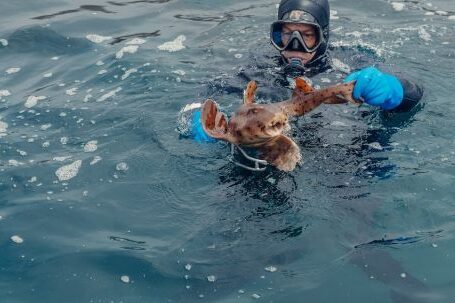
(262, 125)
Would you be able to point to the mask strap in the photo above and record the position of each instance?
(257, 162)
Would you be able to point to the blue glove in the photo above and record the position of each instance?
(376, 88)
(197, 131)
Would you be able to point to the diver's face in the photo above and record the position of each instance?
(308, 33)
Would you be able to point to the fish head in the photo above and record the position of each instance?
(254, 124)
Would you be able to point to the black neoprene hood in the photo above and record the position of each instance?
(319, 9)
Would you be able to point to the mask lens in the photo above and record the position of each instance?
(302, 37)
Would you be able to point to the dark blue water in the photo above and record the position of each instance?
(103, 200)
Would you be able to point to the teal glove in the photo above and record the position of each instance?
(197, 132)
(376, 88)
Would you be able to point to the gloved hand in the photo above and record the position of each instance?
(376, 88)
(197, 131)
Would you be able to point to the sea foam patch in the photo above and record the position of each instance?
(128, 73)
(130, 49)
(4, 93)
(3, 128)
(91, 146)
(33, 100)
(69, 171)
(173, 46)
(398, 6)
(13, 70)
(98, 38)
(109, 94)
(4, 42)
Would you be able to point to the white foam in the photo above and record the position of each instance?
(13, 70)
(109, 94)
(13, 162)
(398, 6)
(376, 145)
(131, 49)
(179, 72)
(125, 279)
(4, 93)
(95, 160)
(341, 66)
(91, 146)
(211, 278)
(47, 75)
(451, 17)
(135, 41)
(33, 179)
(22, 152)
(61, 159)
(99, 63)
(271, 269)
(191, 106)
(72, 91)
(423, 34)
(45, 126)
(128, 73)
(334, 15)
(173, 46)
(17, 239)
(69, 171)
(3, 128)
(98, 38)
(442, 13)
(63, 140)
(4, 42)
(103, 71)
(122, 166)
(33, 100)
(87, 97)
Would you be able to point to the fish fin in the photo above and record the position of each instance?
(213, 121)
(303, 86)
(249, 92)
(282, 152)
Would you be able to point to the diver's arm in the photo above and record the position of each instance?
(384, 90)
(412, 94)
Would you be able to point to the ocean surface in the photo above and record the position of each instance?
(104, 198)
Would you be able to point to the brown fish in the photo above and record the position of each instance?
(261, 126)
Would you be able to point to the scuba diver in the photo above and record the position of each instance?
(301, 35)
